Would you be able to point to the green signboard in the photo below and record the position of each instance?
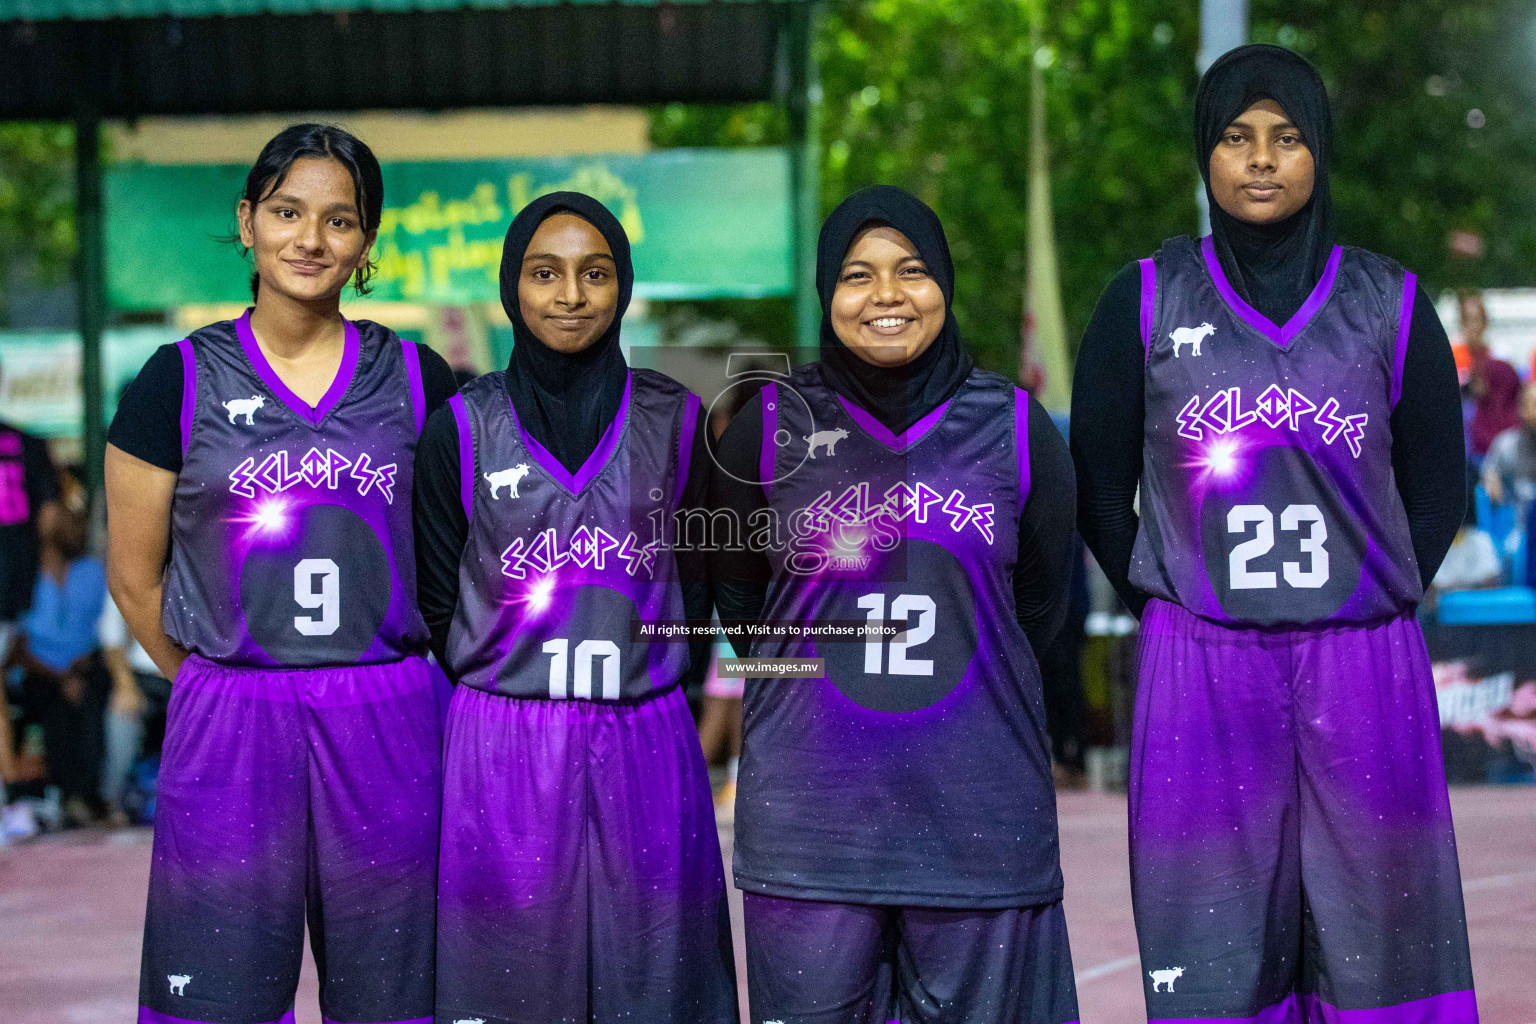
(702, 223)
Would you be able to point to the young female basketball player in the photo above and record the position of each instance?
(1289, 409)
(259, 518)
(581, 871)
(895, 821)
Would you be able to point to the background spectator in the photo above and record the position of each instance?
(1493, 386)
(64, 685)
(1473, 562)
(1509, 468)
(29, 493)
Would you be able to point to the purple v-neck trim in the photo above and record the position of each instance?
(880, 432)
(302, 409)
(1281, 336)
(595, 462)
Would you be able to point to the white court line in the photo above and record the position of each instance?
(1112, 967)
(1496, 881)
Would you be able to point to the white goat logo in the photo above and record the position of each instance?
(825, 439)
(1167, 977)
(245, 407)
(508, 478)
(1190, 336)
(178, 983)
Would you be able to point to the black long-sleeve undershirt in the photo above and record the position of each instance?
(442, 531)
(1040, 576)
(1108, 409)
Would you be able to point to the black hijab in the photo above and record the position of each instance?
(897, 396)
(1273, 266)
(565, 401)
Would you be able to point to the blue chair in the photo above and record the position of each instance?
(1496, 520)
(1520, 560)
(1499, 606)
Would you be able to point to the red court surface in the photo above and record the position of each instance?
(71, 908)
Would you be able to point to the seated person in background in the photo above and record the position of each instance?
(29, 493)
(1473, 562)
(58, 652)
(1509, 470)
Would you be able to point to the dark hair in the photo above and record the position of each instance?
(298, 141)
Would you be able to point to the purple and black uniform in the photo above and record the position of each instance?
(896, 822)
(1291, 845)
(581, 872)
(27, 482)
(301, 769)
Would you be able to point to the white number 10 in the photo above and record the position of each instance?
(586, 652)
(328, 600)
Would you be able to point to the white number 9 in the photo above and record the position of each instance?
(328, 600)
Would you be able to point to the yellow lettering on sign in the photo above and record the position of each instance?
(408, 268)
(430, 213)
(597, 181)
(459, 253)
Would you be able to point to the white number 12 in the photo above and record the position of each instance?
(902, 608)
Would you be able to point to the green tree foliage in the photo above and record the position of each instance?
(37, 204)
(937, 100)
(932, 95)
(1435, 129)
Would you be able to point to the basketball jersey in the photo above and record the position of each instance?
(1267, 491)
(291, 540)
(561, 570)
(917, 771)
(19, 453)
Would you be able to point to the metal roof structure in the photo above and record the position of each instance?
(92, 10)
(135, 58)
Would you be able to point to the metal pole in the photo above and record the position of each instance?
(805, 168)
(90, 288)
(1223, 27)
(1048, 329)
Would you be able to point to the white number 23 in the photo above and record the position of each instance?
(1292, 519)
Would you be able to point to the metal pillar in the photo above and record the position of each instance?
(1047, 334)
(1223, 27)
(805, 168)
(90, 289)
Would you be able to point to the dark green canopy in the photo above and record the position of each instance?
(131, 58)
(100, 10)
